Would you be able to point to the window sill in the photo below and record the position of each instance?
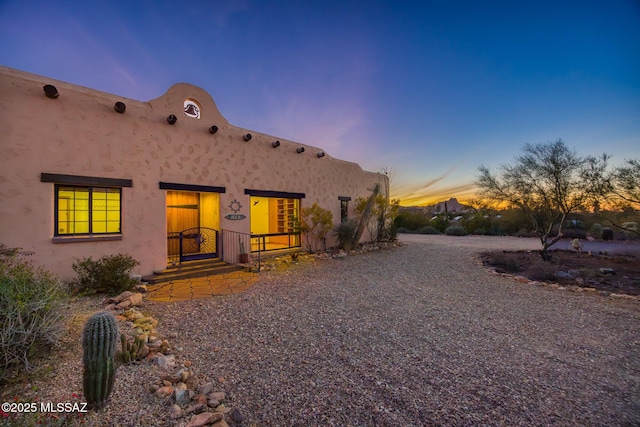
(78, 239)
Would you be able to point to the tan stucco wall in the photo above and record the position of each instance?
(79, 133)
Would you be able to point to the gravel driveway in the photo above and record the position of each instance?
(414, 336)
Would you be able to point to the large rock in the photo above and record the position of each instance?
(121, 297)
(236, 415)
(206, 388)
(182, 396)
(563, 275)
(163, 392)
(204, 418)
(136, 299)
(165, 361)
(217, 395)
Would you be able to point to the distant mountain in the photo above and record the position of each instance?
(453, 206)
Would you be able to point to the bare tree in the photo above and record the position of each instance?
(627, 182)
(613, 189)
(546, 183)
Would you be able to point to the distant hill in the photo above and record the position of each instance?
(453, 206)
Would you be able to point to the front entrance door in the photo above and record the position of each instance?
(190, 217)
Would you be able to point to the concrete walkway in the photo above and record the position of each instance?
(202, 287)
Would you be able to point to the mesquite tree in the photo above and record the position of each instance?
(546, 183)
(613, 188)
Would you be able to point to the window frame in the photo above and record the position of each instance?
(90, 211)
(344, 208)
(66, 180)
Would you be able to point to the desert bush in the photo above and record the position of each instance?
(110, 274)
(346, 233)
(391, 233)
(523, 232)
(411, 220)
(455, 230)
(509, 261)
(440, 222)
(574, 233)
(480, 232)
(630, 229)
(596, 231)
(31, 307)
(542, 271)
(478, 221)
(429, 230)
(315, 223)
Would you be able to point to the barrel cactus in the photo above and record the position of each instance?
(99, 341)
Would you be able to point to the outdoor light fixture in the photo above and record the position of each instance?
(120, 107)
(213, 129)
(275, 144)
(172, 119)
(320, 154)
(300, 150)
(247, 137)
(50, 91)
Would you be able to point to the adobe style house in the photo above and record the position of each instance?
(87, 173)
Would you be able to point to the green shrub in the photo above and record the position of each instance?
(607, 234)
(523, 232)
(429, 230)
(31, 307)
(596, 231)
(110, 274)
(455, 230)
(346, 233)
(440, 222)
(411, 220)
(574, 233)
(315, 223)
(393, 232)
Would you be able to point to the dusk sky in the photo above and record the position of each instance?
(429, 89)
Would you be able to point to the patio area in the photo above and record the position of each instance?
(202, 287)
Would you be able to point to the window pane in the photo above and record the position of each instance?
(81, 227)
(275, 218)
(72, 210)
(105, 214)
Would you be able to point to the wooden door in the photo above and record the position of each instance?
(182, 214)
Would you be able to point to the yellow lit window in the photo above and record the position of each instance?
(87, 210)
(273, 219)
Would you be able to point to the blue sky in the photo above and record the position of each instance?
(429, 89)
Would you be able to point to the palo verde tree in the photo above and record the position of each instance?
(546, 183)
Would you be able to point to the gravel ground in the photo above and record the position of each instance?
(413, 336)
(419, 335)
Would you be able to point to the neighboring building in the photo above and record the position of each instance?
(87, 173)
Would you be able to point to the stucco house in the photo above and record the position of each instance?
(87, 173)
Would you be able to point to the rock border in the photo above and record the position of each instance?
(180, 389)
(570, 288)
